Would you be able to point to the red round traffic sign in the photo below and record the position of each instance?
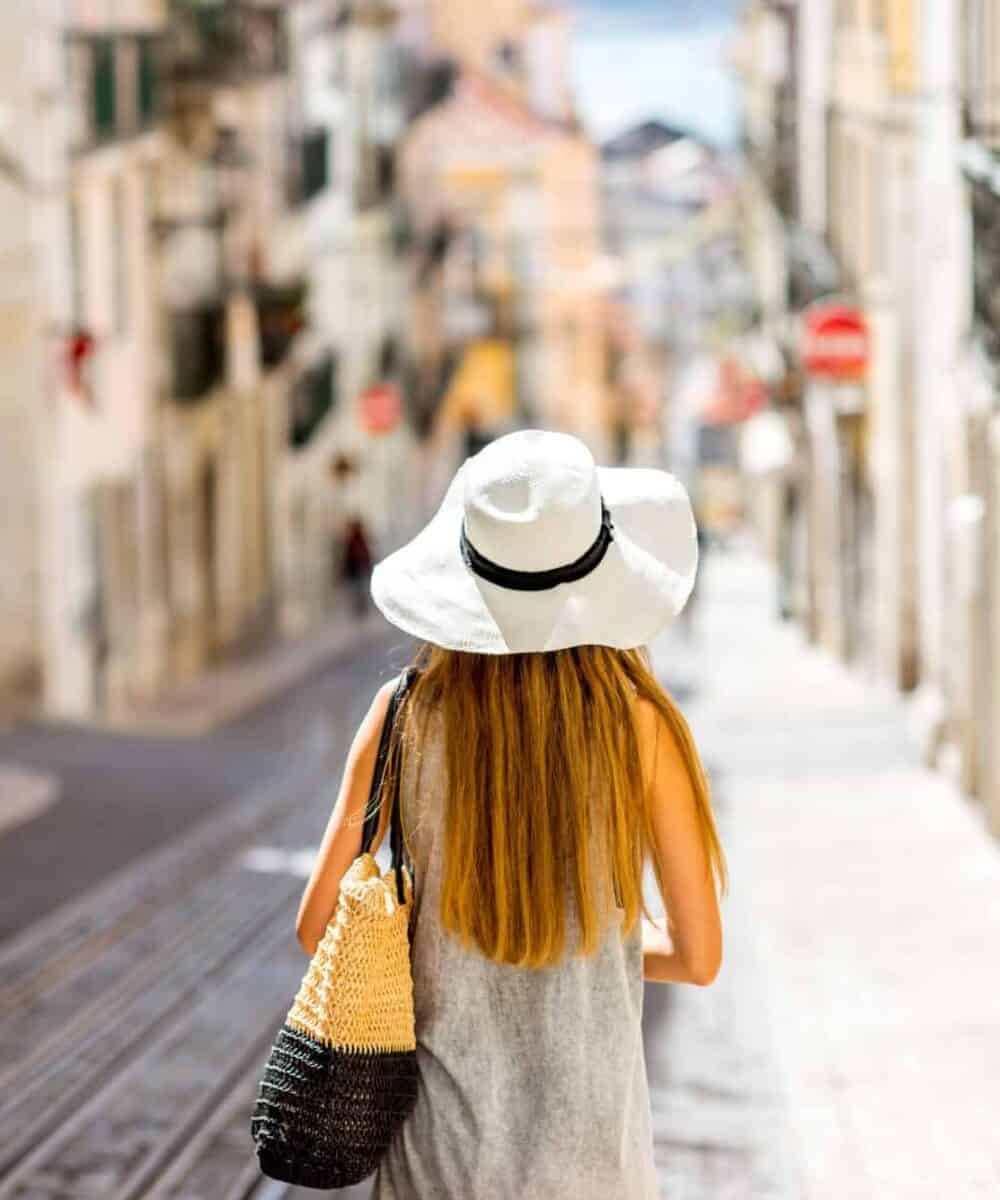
(381, 407)
(835, 342)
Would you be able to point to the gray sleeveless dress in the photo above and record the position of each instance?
(532, 1083)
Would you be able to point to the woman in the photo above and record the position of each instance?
(543, 766)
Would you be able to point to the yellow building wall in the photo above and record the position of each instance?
(900, 28)
(571, 302)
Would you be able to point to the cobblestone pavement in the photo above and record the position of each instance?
(136, 1013)
(849, 1048)
(870, 891)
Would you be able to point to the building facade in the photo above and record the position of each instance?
(270, 267)
(900, 182)
(502, 193)
(203, 290)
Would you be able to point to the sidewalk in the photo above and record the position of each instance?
(228, 691)
(872, 894)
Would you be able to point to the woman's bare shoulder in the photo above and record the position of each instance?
(656, 738)
(370, 728)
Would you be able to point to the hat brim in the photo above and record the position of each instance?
(639, 587)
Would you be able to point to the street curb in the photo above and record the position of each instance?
(225, 693)
(25, 793)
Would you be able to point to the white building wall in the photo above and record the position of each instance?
(815, 48)
(942, 300)
(23, 409)
(96, 586)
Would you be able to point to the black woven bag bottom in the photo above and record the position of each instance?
(323, 1118)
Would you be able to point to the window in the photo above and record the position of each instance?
(315, 163)
(103, 95)
(198, 350)
(388, 356)
(281, 316)
(148, 82)
(308, 167)
(508, 56)
(127, 86)
(313, 397)
(717, 445)
(114, 84)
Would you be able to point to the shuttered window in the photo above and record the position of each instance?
(148, 88)
(114, 83)
(104, 92)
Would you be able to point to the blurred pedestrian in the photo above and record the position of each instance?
(357, 563)
(542, 767)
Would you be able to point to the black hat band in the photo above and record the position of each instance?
(540, 581)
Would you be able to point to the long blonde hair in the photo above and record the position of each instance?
(545, 793)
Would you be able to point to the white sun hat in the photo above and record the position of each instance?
(536, 548)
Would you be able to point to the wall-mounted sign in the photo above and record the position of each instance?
(835, 343)
(381, 407)
(78, 352)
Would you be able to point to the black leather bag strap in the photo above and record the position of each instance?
(375, 802)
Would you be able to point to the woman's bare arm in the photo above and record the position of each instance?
(341, 842)
(688, 949)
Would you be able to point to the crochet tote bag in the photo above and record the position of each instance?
(342, 1073)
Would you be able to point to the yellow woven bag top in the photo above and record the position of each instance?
(358, 991)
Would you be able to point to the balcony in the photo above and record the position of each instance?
(198, 351)
(314, 397)
(226, 42)
(281, 316)
(982, 170)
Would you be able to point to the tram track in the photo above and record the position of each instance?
(75, 935)
(142, 1112)
(110, 1014)
(53, 1080)
(135, 1019)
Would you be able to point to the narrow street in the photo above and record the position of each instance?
(135, 1016)
(123, 795)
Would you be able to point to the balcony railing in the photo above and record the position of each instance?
(281, 316)
(313, 398)
(226, 41)
(198, 351)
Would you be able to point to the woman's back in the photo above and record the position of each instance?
(551, 769)
(532, 1081)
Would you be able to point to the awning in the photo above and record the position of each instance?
(482, 390)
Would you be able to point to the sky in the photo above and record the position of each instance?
(639, 58)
